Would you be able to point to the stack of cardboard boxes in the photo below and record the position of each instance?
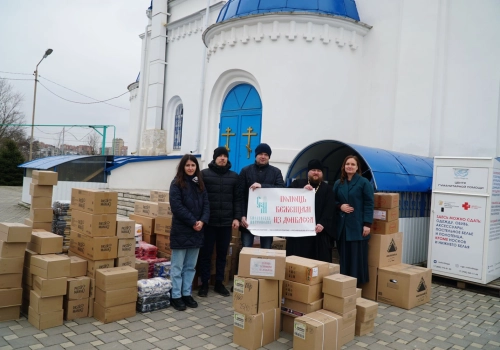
(13, 239)
(41, 189)
(125, 229)
(163, 225)
(76, 300)
(256, 297)
(366, 313)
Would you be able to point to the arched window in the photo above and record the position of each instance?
(179, 113)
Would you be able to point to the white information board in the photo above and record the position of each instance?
(461, 179)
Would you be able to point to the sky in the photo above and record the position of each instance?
(97, 52)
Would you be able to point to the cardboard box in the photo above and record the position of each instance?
(349, 318)
(94, 265)
(363, 328)
(77, 266)
(43, 242)
(302, 292)
(262, 263)
(367, 310)
(116, 297)
(347, 334)
(74, 309)
(116, 278)
(296, 308)
(40, 177)
(46, 226)
(142, 267)
(78, 288)
(384, 227)
(11, 265)
(255, 331)
(44, 305)
(386, 200)
(163, 225)
(159, 196)
(252, 296)
(49, 287)
(385, 250)
(94, 201)
(151, 239)
(126, 247)
(45, 320)
(145, 208)
(94, 248)
(14, 233)
(12, 250)
(339, 305)
(333, 269)
(358, 293)
(317, 331)
(41, 215)
(113, 313)
(382, 214)
(41, 202)
(339, 285)
(11, 296)
(41, 190)
(163, 243)
(125, 261)
(10, 313)
(148, 224)
(287, 323)
(306, 271)
(11, 280)
(404, 286)
(278, 243)
(50, 265)
(369, 289)
(124, 227)
(94, 225)
(164, 210)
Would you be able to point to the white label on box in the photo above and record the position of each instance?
(138, 230)
(299, 330)
(262, 267)
(239, 286)
(239, 320)
(315, 272)
(380, 215)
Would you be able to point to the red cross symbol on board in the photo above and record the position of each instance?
(466, 206)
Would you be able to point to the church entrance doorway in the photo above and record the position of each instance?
(240, 125)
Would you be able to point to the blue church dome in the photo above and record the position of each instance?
(240, 8)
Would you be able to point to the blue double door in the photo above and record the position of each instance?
(240, 125)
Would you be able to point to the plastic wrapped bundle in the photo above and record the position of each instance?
(61, 222)
(153, 287)
(61, 208)
(162, 269)
(153, 306)
(146, 251)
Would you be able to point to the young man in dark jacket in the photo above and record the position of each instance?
(258, 175)
(225, 197)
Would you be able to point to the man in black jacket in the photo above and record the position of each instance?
(258, 175)
(225, 197)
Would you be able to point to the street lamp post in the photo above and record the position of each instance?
(48, 52)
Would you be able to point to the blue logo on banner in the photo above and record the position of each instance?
(459, 172)
(262, 205)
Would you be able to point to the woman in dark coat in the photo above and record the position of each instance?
(354, 208)
(191, 211)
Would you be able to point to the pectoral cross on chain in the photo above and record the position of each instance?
(249, 134)
(228, 134)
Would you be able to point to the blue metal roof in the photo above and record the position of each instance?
(49, 162)
(240, 8)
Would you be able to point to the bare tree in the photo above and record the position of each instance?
(94, 141)
(10, 113)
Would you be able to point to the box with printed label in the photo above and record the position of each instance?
(113, 313)
(95, 225)
(349, 318)
(163, 243)
(339, 285)
(11, 265)
(46, 226)
(125, 261)
(363, 328)
(385, 250)
(148, 223)
(164, 210)
(41, 215)
(142, 268)
(47, 304)
(126, 247)
(11, 297)
(12, 250)
(78, 288)
(41, 202)
(145, 208)
(41, 190)
(93, 265)
(382, 214)
(369, 289)
(339, 305)
(262, 263)
(386, 200)
(11, 280)
(94, 201)
(404, 286)
(77, 266)
(40, 177)
(50, 265)
(163, 225)
(255, 331)
(43, 242)
(74, 309)
(124, 227)
(45, 320)
(252, 296)
(384, 227)
(306, 271)
(278, 243)
(14, 233)
(94, 248)
(49, 287)
(317, 331)
(367, 310)
(296, 308)
(116, 297)
(116, 278)
(159, 196)
(302, 292)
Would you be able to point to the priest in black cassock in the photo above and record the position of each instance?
(317, 247)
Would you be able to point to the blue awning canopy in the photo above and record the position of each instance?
(387, 170)
(49, 162)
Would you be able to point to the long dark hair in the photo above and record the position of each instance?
(179, 177)
(343, 175)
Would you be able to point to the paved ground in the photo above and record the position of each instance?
(454, 319)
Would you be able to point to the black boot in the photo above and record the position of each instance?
(219, 288)
(203, 291)
(178, 304)
(189, 301)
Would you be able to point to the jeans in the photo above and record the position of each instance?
(247, 240)
(182, 271)
(220, 237)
